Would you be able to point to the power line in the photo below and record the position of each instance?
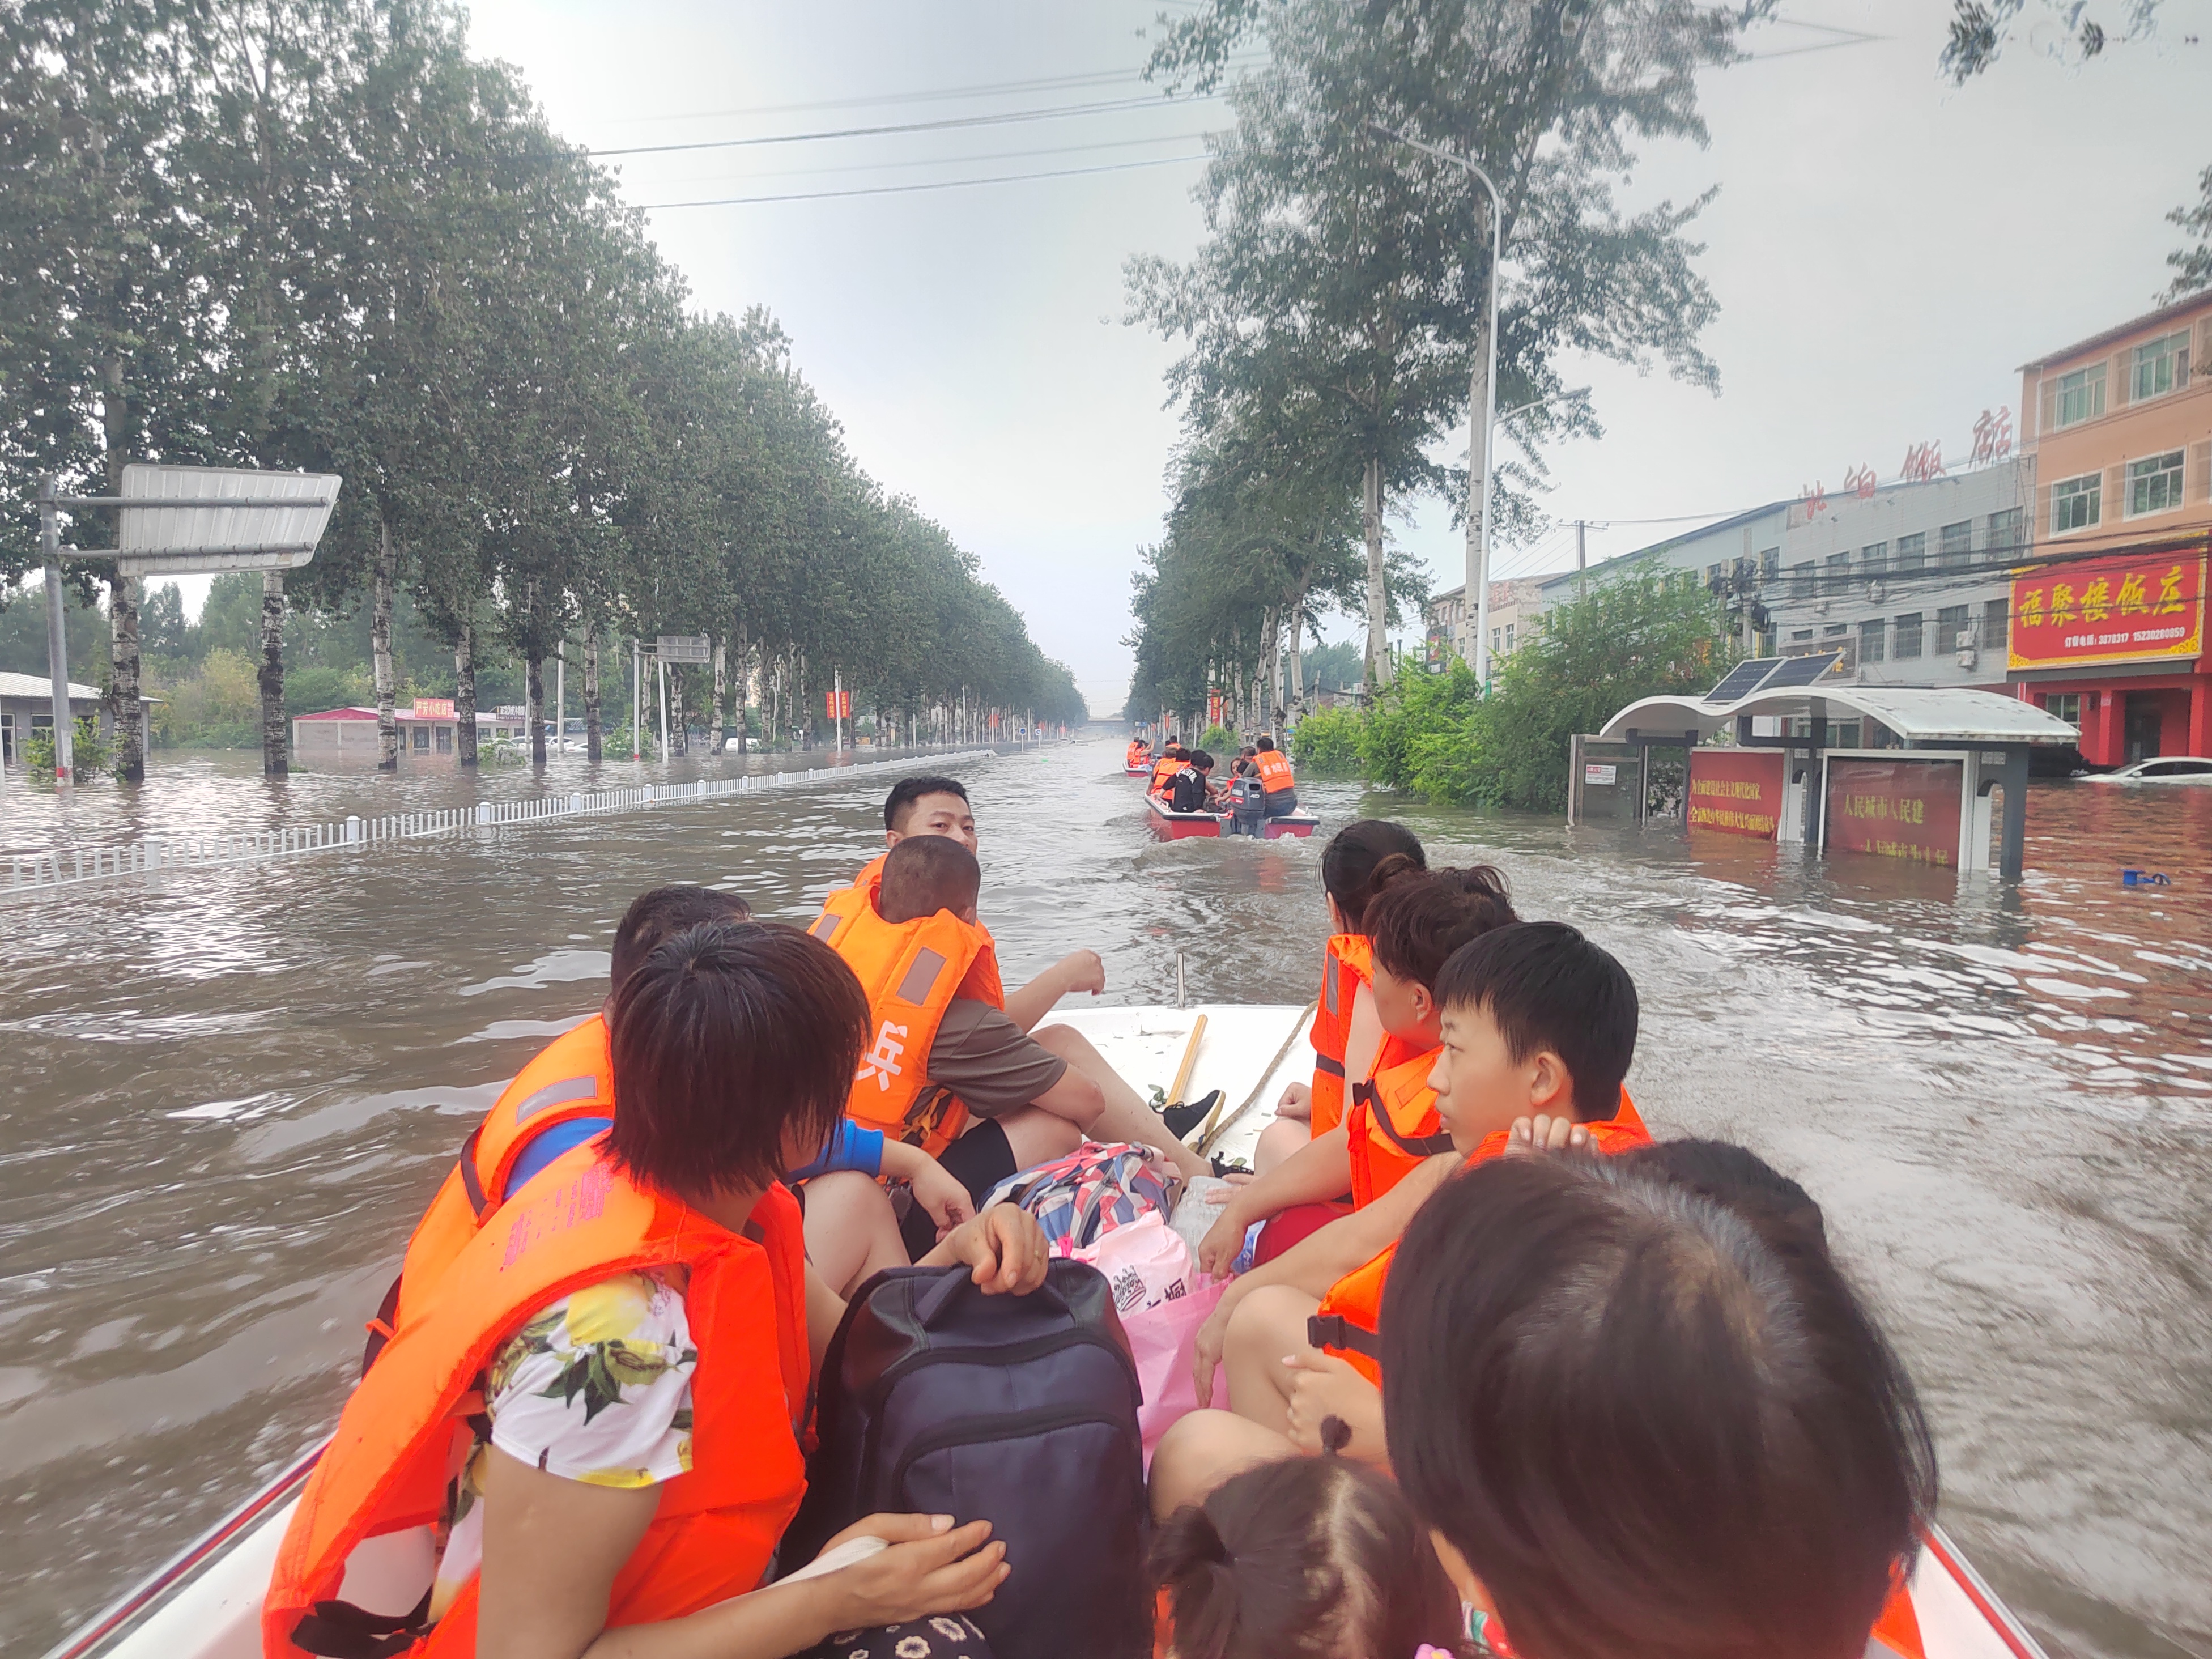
(1003, 118)
(940, 184)
(942, 161)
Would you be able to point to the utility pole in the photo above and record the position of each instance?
(660, 674)
(560, 698)
(50, 545)
(636, 707)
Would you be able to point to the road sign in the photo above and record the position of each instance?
(210, 518)
(684, 647)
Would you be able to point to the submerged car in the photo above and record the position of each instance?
(2160, 768)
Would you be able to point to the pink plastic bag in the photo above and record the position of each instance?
(1144, 1262)
(1162, 1339)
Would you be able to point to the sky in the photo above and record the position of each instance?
(1885, 249)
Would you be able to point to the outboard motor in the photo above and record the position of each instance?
(1248, 808)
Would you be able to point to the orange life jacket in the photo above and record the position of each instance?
(911, 971)
(1138, 754)
(1347, 964)
(1393, 1125)
(405, 1429)
(1274, 771)
(1163, 771)
(572, 1077)
(1351, 1312)
(982, 981)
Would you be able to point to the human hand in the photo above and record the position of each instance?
(1322, 1386)
(941, 1193)
(1002, 1248)
(1206, 1350)
(1084, 970)
(1297, 1102)
(1225, 1240)
(1546, 1133)
(932, 1566)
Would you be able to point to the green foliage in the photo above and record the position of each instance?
(2192, 265)
(1333, 667)
(1326, 742)
(1220, 741)
(90, 751)
(312, 690)
(216, 704)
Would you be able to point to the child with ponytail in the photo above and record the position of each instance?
(1317, 1557)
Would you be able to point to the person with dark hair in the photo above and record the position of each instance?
(1765, 1468)
(1416, 920)
(947, 1070)
(1312, 1559)
(642, 1312)
(1783, 1212)
(1273, 767)
(1191, 790)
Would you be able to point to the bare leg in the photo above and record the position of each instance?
(1036, 1136)
(851, 1233)
(1267, 1326)
(1203, 1449)
(1277, 1142)
(1126, 1116)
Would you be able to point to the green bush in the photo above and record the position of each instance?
(90, 753)
(1220, 742)
(1326, 742)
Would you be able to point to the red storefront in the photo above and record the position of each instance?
(2115, 643)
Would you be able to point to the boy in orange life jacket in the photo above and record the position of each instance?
(1619, 1485)
(1535, 1022)
(1414, 923)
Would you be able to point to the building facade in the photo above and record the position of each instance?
(27, 705)
(2109, 623)
(1725, 557)
(1910, 581)
(426, 728)
(1514, 603)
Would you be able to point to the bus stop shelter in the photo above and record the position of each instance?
(1916, 783)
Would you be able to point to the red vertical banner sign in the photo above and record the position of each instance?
(1737, 792)
(1213, 700)
(837, 705)
(1900, 809)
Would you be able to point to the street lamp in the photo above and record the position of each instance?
(1478, 437)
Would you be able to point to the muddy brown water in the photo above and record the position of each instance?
(224, 1099)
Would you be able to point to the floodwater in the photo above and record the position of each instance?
(225, 1099)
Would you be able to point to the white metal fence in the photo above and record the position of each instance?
(37, 872)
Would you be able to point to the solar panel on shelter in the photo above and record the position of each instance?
(1743, 679)
(1802, 670)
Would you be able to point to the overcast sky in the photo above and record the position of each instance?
(1885, 252)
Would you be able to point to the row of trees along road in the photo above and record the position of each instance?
(1334, 318)
(317, 234)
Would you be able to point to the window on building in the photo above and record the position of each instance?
(1905, 642)
(445, 739)
(1874, 558)
(1494, 636)
(1508, 638)
(1835, 631)
(1712, 575)
(1798, 635)
(423, 738)
(2161, 367)
(2008, 529)
(1954, 548)
(2063, 705)
(2081, 396)
(1996, 624)
(1911, 554)
(1839, 573)
(2077, 503)
(2155, 484)
(1770, 564)
(1804, 584)
(1951, 626)
(1871, 639)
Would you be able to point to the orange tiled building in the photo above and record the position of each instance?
(2109, 631)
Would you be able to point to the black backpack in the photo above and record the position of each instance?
(1020, 1410)
(1186, 792)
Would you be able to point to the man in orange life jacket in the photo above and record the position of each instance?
(1275, 777)
(595, 1416)
(945, 1069)
(1537, 1026)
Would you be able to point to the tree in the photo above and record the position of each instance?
(2072, 31)
(2192, 265)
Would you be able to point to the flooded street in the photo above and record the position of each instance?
(226, 1099)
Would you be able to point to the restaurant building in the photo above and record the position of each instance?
(427, 727)
(2108, 625)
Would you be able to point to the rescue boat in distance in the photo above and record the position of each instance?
(1172, 825)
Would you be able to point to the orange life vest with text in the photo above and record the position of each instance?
(911, 972)
(1346, 964)
(1351, 1314)
(406, 1428)
(572, 1077)
(1274, 771)
(1164, 772)
(982, 982)
(1392, 1125)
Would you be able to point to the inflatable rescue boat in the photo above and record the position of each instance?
(205, 1603)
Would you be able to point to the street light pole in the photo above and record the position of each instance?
(1482, 405)
(50, 544)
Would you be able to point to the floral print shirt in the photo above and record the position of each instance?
(595, 1386)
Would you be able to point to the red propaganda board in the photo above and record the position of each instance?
(1213, 702)
(1899, 809)
(2131, 607)
(837, 705)
(434, 709)
(1736, 792)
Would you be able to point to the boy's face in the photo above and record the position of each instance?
(1480, 1087)
(937, 815)
(1403, 1006)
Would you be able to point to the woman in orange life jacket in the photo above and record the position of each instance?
(1360, 860)
(618, 1366)
(1535, 1024)
(1416, 920)
(1765, 1470)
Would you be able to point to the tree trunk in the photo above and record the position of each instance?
(721, 694)
(1378, 632)
(379, 647)
(680, 740)
(465, 694)
(123, 698)
(536, 658)
(275, 751)
(592, 745)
